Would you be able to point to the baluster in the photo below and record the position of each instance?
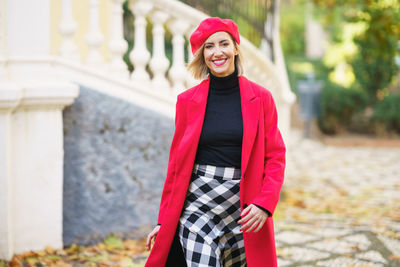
(2, 41)
(190, 80)
(94, 38)
(140, 55)
(67, 29)
(117, 44)
(178, 72)
(159, 63)
(189, 47)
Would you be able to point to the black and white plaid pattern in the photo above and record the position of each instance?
(209, 232)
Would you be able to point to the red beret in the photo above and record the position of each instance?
(210, 26)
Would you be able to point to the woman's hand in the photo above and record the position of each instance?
(253, 218)
(152, 235)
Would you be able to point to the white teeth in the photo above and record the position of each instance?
(219, 61)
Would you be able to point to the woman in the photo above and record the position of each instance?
(226, 163)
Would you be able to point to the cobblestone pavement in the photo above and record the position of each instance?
(340, 206)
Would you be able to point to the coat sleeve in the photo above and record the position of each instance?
(274, 158)
(171, 161)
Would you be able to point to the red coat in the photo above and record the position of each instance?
(263, 164)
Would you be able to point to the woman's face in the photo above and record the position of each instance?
(219, 54)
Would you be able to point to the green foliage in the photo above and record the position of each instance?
(299, 66)
(113, 242)
(374, 65)
(338, 105)
(128, 33)
(387, 112)
(292, 28)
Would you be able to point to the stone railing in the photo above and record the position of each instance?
(154, 76)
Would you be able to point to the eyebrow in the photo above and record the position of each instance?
(224, 40)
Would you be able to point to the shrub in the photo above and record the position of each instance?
(338, 105)
(387, 112)
(374, 66)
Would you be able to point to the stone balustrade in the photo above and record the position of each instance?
(153, 72)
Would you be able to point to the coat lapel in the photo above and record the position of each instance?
(250, 114)
(196, 109)
(195, 117)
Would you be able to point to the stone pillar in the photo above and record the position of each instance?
(2, 41)
(31, 165)
(315, 36)
(95, 37)
(67, 28)
(190, 80)
(9, 99)
(117, 44)
(23, 43)
(178, 72)
(140, 55)
(159, 63)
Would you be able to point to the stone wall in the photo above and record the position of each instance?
(115, 162)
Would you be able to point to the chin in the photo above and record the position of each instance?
(220, 73)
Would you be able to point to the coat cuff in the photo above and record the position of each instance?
(264, 209)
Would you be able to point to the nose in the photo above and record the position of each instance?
(218, 51)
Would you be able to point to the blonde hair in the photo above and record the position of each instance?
(198, 66)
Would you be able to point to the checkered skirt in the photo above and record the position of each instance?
(208, 230)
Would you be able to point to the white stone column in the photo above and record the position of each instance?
(178, 72)
(2, 41)
(27, 28)
(140, 56)
(31, 167)
(190, 80)
(94, 38)
(67, 28)
(287, 96)
(117, 44)
(27, 39)
(9, 99)
(159, 63)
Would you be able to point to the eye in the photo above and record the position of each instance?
(225, 44)
(207, 46)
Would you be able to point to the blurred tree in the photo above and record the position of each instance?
(374, 64)
(293, 27)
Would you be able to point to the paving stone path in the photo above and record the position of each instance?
(340, 206)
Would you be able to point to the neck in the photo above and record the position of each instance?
(224, 83)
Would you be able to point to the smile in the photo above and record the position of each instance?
(219, 62)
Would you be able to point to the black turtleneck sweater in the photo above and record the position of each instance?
(221, 136)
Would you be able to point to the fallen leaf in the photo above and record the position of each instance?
(49, 250)
(394, 257)
(15, 262)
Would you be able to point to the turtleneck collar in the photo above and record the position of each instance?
(222, 84)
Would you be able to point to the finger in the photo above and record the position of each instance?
(260, 225)
(246, 210)
(245, 218)
(248, 223)
(249, 215)
(148, 242)
(149, 239)
(254, 225)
